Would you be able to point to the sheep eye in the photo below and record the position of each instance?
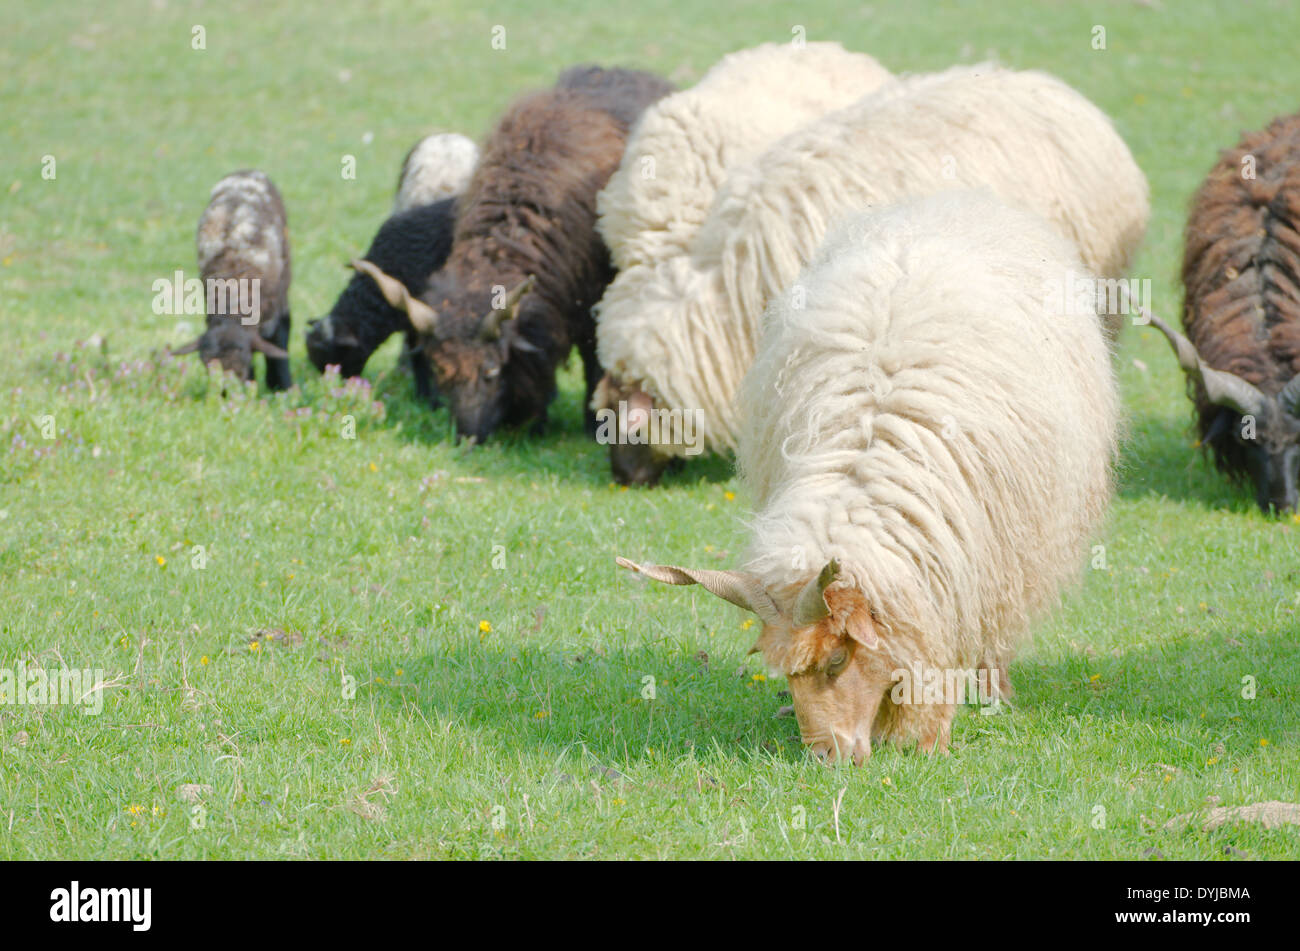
(839, 659)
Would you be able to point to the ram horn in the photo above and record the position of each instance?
(258, 342)
(190, 347)
(509, 310)
(1222, 388)
(810, 607)
(1290, 396)
(423, 317)
(740, 588)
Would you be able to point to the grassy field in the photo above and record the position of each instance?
(398, 648)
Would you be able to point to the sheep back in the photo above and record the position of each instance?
(436, 167)
(243, 235)
(918, 412)
(681, 150)
(1035, 141)
(1241, 273)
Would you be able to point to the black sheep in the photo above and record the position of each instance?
(526, 261)
(409, 246)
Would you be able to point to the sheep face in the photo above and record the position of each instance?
(231, 346)
(825, 638)
(327, 345)
(228, 344)
(470, 334)
(470, 375)
(836, 708)
(1273, 458)
(837, 675)
(1254, 430)
(475, 336)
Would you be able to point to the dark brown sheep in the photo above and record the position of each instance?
(1241, 312)
(493, 337)
(243, 252)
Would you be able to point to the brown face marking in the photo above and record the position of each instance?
(840, 681)
(837, 678)
(456, 362)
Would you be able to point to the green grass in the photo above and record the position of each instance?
(374, 557)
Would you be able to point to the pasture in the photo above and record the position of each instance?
(392, 646)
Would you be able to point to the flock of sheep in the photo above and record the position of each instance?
(860, 284)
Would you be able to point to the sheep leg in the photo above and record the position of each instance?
(996, 669)
(277, 370)
(540, 422)
(935, 728)
(1004, 683)
(593, 373)
(425, 389)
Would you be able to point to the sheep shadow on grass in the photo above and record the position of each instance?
(1183, 700)
(1174, 701)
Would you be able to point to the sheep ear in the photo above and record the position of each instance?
(1222, 388)
(861, 626)
(740, 588)
(423, 317)
(811, 607)
(1290, 396)
(639, 408)
(190, 347)
(271, 350)
(509, 310)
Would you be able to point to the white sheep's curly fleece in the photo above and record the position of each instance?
(928, 416)
(686, 330)
(437, 167)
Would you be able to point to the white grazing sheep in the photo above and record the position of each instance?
(687, 337)
(681, 150)
(928, 438)
(438, 166)
(679, 155)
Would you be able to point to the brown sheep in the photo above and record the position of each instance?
(526, 261)
(1241, 312)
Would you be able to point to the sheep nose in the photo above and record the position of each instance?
(830, 752)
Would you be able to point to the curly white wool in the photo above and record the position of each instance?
(437, 167)
(920, 410)
(682, 148)
(687, 332)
